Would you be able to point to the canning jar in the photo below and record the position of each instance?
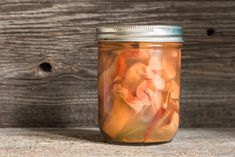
(139, 83)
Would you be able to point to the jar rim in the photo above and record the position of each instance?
(145, 33)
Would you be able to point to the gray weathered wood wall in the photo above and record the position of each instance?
(62, 33)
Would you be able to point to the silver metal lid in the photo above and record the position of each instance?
(145, 33)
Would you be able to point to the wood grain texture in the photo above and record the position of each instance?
(62, 33)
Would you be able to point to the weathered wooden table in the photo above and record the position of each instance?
(88, 142)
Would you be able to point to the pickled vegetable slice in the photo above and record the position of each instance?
(176, 105)
(160, 115)
(121, 113)
(133, 101)
(106, 79)
(151, 126)
(156, 83)
(155, 63)
(142, 92)
(105, 83)
(125, 107)
(128, 57)
(135, 129)
(118, 68)
(105, 60)
(155, 99)
(169, 61)
(166, 130)
(134, 76)
(175, 90)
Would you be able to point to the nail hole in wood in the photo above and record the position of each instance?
(45, 67)
(210, 31)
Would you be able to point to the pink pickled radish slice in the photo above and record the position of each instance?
(158, 82)
(155, 63)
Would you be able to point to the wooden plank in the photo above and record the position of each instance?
(63, 34)
(83, 142)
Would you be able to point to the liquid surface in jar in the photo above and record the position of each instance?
(139, 90)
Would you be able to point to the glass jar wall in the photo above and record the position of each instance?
(139, 90)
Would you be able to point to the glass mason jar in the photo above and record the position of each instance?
(139, 83)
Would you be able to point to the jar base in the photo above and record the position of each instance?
(136, 143)
(116, 142)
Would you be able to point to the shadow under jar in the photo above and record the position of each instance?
(139, 83)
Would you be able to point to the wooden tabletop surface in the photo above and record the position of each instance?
(71, 142)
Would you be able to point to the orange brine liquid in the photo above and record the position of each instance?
(139, 90)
